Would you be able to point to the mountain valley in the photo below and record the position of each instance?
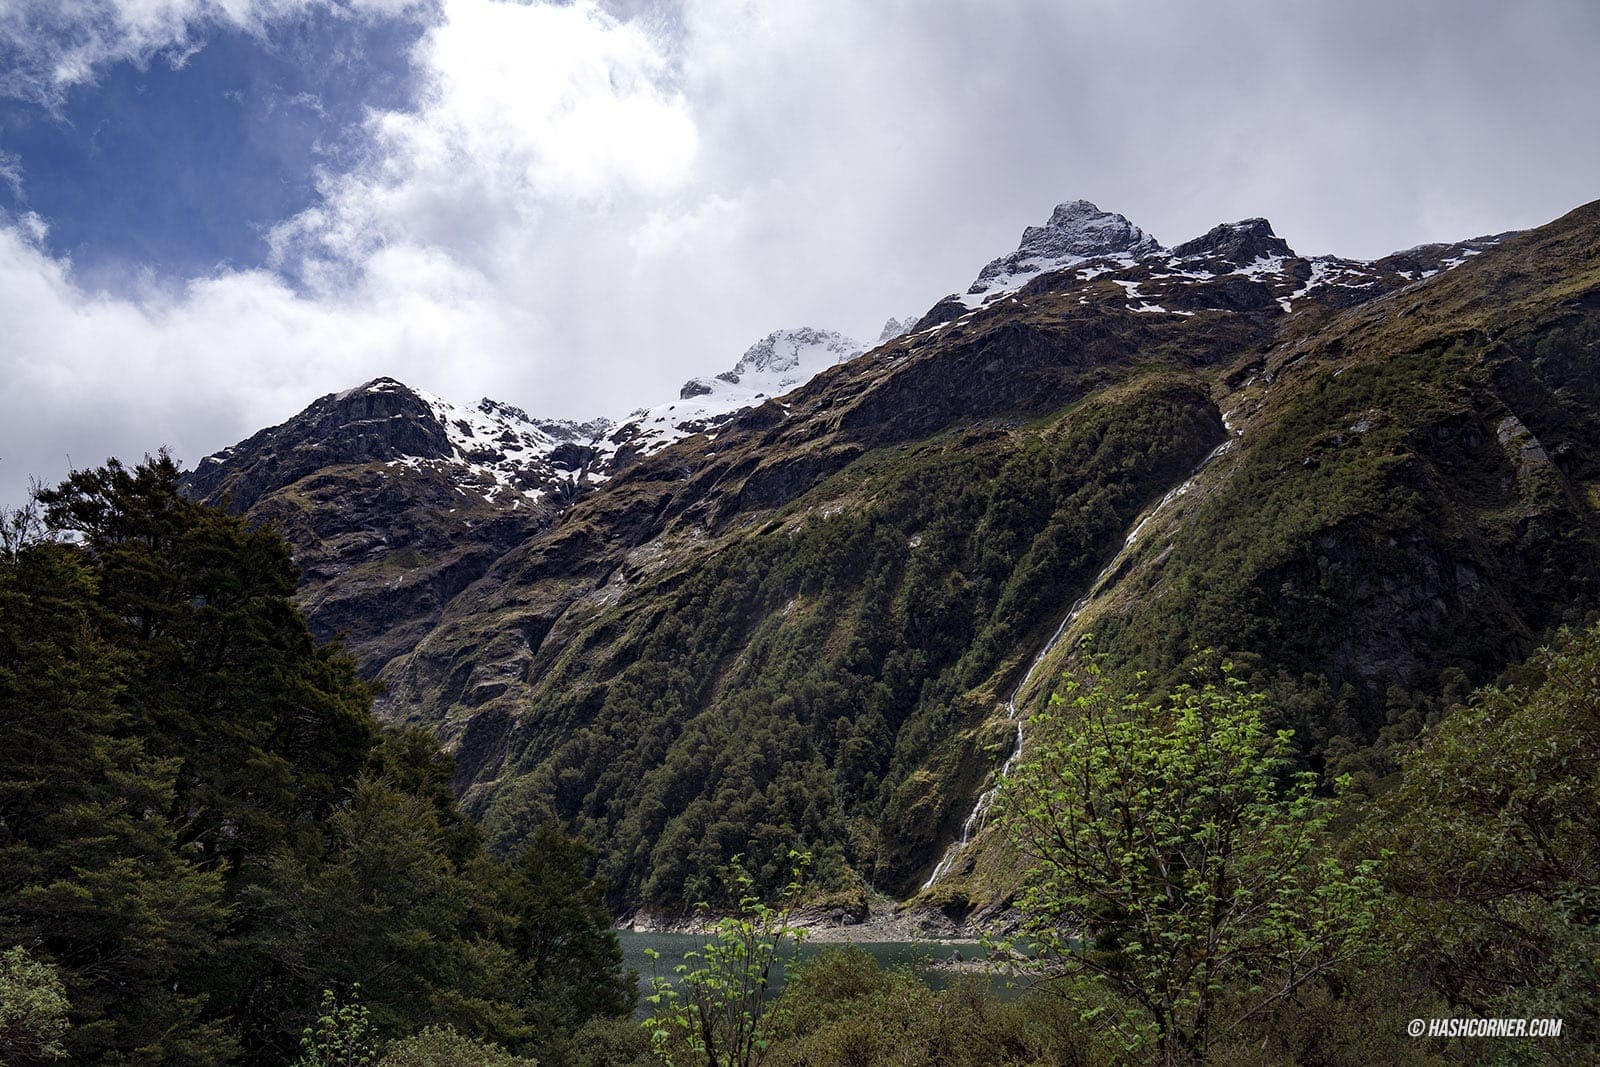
(787, 608)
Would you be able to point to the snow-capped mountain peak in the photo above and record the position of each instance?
(1238, 243)
(1080, 228)
(781, 361)
(493, 448)
(897, 327)
(1078, 231)
(786, 358)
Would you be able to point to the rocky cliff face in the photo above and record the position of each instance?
(397, 500)
(799, 621)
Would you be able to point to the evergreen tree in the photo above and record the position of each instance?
(203, 827)
(268, 729)
(91, 871)
(559, 926)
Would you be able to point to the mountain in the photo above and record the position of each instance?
(1077, 232)
(396, 500)
(825, 625)
(771, 367)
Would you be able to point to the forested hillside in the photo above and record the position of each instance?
(1298, 543)
(804, 631)
(202, 828)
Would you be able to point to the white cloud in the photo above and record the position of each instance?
(583, 210)
(11, 172)
(95, 375)
(528, 111)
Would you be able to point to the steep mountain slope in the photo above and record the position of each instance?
(396, 500)
(805, 630)
(801, 626)
(1411, 498)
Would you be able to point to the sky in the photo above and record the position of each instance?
(214, 211)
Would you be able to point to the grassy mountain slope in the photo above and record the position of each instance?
(1412, 499)
(1414, 487)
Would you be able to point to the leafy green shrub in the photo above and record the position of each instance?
(33, 1010)
(1490, 841)
(603, 1042)
(342, 1035)
(843, 1009)
(719, 1016)
(1177, 862)
(441, 1046)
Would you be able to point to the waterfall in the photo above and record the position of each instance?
(980, 810)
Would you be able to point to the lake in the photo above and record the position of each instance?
(918, 955)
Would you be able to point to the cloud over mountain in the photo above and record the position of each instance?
(582, 205)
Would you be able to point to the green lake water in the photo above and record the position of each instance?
(917, 955)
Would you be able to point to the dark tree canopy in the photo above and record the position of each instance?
(202, 827)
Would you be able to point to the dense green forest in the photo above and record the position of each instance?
(1193, 897)
(210, 852)
(202, 828)
(814, 685)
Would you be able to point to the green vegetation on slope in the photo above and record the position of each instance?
(825, 683)
(801, 634)
(1411, 505)
(202, 827)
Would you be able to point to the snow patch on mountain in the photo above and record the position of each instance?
(503, 449)
(778, 363)
(1077, 233)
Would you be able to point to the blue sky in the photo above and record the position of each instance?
(182, 163)
(213, 211)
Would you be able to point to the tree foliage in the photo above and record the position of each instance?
(203, 827)
(93, 872)
(716, 1013)
(440, 1046)
(1177, 860)
(1491, 841)
(556, 920)
(342, 1035)
(33, 1010)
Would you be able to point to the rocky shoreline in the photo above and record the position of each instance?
(882, 921)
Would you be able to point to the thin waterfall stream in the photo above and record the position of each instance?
(975, 820)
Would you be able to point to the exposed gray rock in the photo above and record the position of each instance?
(1238, 243)
(1077, 232)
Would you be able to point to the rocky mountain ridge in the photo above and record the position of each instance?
(1094, 243)
(809, 624)
(396, 500)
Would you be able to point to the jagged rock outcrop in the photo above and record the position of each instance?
(395, 501)
(1077, 232)
(1237, 243)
